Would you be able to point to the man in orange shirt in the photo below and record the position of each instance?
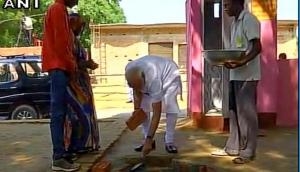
(58, 60)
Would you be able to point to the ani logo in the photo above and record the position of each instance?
(20, 4)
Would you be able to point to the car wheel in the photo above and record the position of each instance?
(24, 112)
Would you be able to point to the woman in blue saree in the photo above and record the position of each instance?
(81, 126)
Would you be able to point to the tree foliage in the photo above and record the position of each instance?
(94, 11)
(99, 12)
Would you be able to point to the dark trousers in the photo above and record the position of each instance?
(242, 118)
(28, 36)
(58, 108)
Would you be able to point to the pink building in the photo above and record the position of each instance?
(278, 89)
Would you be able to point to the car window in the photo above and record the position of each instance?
(7, 73)
(33, 69)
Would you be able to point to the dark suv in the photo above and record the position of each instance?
(24, 88)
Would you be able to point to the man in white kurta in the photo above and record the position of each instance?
(157, 81)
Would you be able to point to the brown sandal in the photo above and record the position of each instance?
(242, 160)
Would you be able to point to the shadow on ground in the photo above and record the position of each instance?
(277, 151)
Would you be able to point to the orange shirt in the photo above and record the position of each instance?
(57, 49)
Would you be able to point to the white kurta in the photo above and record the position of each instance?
(162, 82)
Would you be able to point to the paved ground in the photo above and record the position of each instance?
(277, 151)
(26, 147)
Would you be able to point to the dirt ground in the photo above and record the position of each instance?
(277, 151)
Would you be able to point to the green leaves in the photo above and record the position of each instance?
(97, 11)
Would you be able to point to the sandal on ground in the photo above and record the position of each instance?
(171, 148)
(140, 147)
(242, 160)
(222, 152)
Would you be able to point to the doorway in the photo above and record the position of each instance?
(213, 87)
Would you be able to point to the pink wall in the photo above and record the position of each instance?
(287, 107)
(267, 87)
(276, 76)
(195, 62)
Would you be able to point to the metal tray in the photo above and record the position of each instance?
(220, 57)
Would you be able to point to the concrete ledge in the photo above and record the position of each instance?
(98, 157)
(267, 120)
(219, 123)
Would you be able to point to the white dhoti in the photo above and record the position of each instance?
(169, 106)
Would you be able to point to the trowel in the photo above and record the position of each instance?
(139, 166)
(142, 164)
